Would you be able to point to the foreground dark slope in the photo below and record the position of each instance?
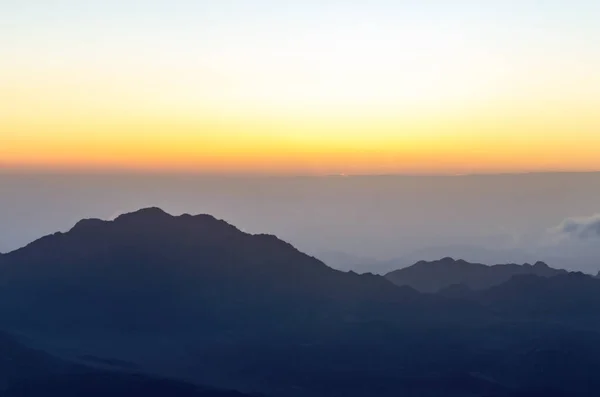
(194, 297)
(438, 275)
(25, 372)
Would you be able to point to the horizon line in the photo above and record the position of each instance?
(15, 171)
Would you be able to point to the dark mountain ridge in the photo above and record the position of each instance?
(194, 280)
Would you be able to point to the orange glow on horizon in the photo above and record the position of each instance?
(357, 149)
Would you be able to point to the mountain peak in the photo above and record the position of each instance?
(145, 213)
(541, 265)
(87, 224)
(156, 215)
(448, 259)
(150, 214)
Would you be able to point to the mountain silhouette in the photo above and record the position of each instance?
(439, 275)
(151, 270)
(194, 300)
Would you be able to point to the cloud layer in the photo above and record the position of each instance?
(581, 228)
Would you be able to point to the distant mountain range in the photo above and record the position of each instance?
(475, 254)
(438, 275)
(196, 301)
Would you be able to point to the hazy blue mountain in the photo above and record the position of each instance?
(346, 262)
(438, 275)
(469, 253)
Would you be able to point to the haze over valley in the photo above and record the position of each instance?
(361, 223)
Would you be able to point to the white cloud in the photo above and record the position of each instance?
(580, 228)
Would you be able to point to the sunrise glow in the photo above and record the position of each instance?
(374, 88)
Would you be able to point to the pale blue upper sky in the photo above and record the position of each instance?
(239, 37)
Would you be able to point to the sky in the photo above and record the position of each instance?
(300, 87)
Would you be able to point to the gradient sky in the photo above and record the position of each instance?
(310, 87)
